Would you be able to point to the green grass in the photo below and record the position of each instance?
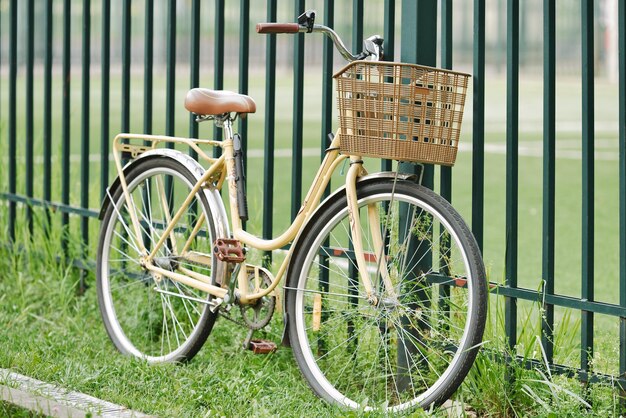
(53, 335)
(9, 410)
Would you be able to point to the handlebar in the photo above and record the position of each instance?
(277, 28)
(372, 46)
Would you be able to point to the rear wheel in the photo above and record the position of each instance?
(416, 342)
(146, 316)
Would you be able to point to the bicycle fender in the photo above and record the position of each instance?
(340, 193)
(212, 195)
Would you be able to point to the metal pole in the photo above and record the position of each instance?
(65, 146)
(512, 105)
(147, 67)
(549, 138)
(218, 77)
(47, 116)
(587, 221)
(244, 52)
(30, 135)
(298, 102)
(622, 190)
(84, 158)
(478, 127)
(418, 45)
(270, 114)
(388, 53)
(12, 114)
(105, 97)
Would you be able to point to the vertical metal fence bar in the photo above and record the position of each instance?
(512, 116)
(12, 113)
(126, 22)
(170, 81)
(587, 117)
(327, 80)
(445, 186)
(85, 109)
(327, 104)
(389, 19)
(357, 26)
(30, 134)
(105, 96)
(84, 149)
(357, 39)
(353, 273)
(298, 101)
(194, 64)
(47, 114)
(218, 77)
(194, 81)
(445, 189)
(418, 45)
(244, 53)
(388, 29)
(65, 146)
(415, 47)
(269, 134)
(549, 139)
(622, 185)
(478, 123)
(148, 61)
(170, 90)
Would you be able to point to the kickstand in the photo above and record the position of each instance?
(246, 342)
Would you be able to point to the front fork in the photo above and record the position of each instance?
(373, 217)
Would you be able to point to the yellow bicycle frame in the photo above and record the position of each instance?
(223, 169)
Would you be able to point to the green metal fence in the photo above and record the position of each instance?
(426, 32)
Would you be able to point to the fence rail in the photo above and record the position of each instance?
(427, 42)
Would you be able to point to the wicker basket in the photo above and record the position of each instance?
(400, 111)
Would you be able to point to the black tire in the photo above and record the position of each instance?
(141, 313)
(414, 345)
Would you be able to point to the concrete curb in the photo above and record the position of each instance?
(55, 401)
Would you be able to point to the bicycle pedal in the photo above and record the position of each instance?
(262, 346)
(229, 250)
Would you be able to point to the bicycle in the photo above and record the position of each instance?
(385, 292)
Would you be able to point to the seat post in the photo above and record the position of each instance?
(225, 122)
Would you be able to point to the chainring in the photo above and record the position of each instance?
(259, 313)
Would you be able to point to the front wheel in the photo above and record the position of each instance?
(414, 343)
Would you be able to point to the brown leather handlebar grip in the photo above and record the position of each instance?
(277, 28)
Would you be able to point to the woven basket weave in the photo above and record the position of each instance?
(400, 111)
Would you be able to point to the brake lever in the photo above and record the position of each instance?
(372, 46)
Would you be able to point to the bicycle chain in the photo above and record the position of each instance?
(226, 316)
